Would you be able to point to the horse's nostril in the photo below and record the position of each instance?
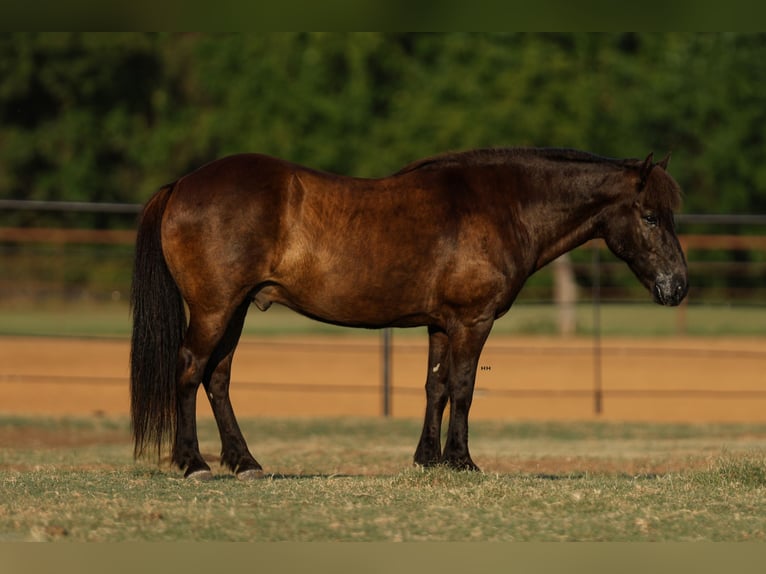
(669, 290)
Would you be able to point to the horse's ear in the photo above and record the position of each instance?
(664, 163)
(646, 169)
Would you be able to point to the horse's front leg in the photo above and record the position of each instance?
(466, 349)
(428, 452)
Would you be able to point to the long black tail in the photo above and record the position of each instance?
(159, 324)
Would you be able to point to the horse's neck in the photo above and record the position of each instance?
(566, 216)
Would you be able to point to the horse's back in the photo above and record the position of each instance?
(367, 252)
(234, 177)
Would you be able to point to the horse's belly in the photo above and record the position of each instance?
(348, 303)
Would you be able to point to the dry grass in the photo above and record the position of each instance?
(351, 480)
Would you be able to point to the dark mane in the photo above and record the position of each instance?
(662, 190)
(499, 156)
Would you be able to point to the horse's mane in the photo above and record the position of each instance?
(663, 191)
(499, 156)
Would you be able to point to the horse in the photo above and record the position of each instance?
(447, 243)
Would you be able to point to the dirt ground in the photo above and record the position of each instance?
(520, 378)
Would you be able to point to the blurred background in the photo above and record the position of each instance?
(91, 125)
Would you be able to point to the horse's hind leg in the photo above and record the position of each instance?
(205, 331)
(192, 360)
(428, 452)
(234, 452)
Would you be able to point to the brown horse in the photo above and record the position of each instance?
(447, 242)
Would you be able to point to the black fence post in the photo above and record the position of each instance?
(386, 355)
(597, 384)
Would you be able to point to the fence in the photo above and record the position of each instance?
(727, 263)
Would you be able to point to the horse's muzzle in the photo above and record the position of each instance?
(670, 290)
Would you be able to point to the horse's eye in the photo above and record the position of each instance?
(651, 219)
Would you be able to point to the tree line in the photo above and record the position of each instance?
(111, 117)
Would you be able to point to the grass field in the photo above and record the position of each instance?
(352, 480)
(341, 479)
(644, 319)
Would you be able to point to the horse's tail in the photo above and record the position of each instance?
(159, 324)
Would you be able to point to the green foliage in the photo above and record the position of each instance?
(111, 117)
(74, 109)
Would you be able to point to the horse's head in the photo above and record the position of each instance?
(640, 230)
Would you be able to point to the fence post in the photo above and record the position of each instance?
(385, 353)
(565, 294)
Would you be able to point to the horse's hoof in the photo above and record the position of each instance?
(250, 474)
(462, 464)
(200, 475)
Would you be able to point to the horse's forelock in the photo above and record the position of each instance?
(662, 190)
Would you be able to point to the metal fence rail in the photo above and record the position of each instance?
(707, 241)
